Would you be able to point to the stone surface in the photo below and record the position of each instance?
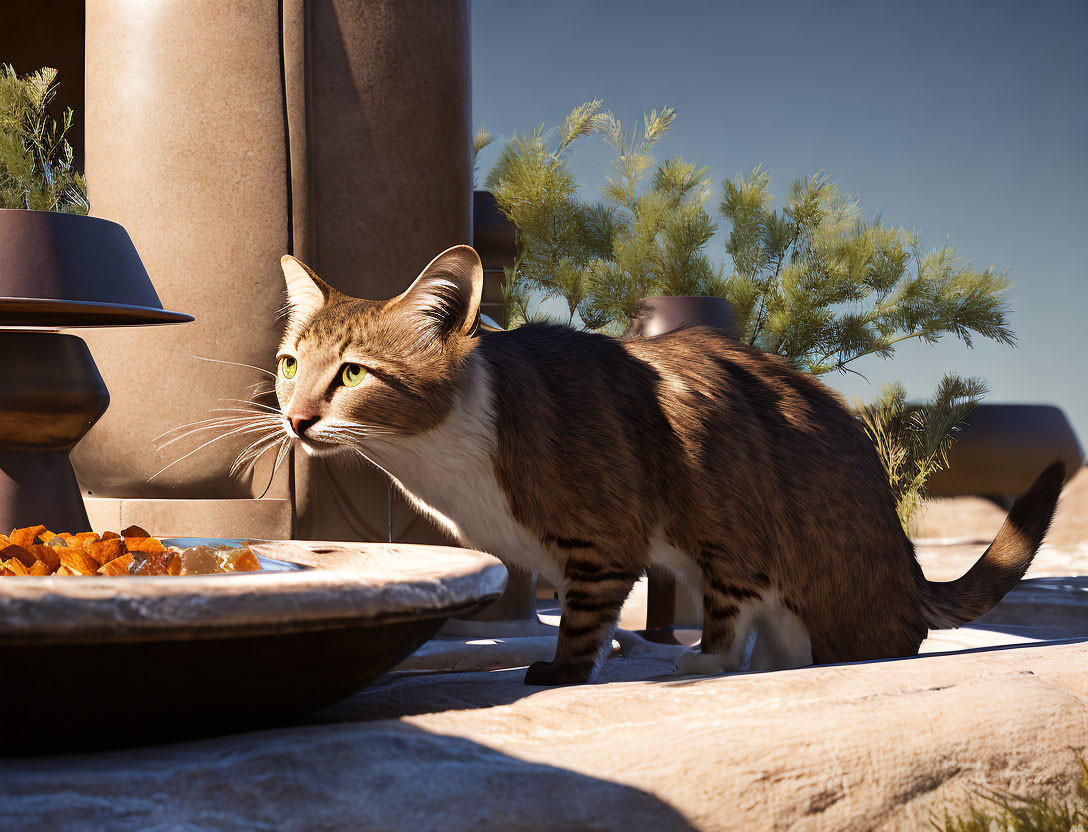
(948, 559)
(869, 746)
(348, 582)
(881, 745)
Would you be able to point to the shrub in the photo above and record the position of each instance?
(35, 158)
(814, 283)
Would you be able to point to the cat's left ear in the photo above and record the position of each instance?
(447, 293)
(306, 292)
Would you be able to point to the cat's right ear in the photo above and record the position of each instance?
(446, 296)
(306, 292)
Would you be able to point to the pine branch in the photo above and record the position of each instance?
(35, 158)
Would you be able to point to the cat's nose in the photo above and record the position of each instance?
(301, 424)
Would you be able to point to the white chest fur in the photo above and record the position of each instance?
(448, 473)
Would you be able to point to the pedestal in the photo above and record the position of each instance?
(51, 396)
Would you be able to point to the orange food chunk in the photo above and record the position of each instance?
(18, 552)
(243, 560)
(104, 551)
(149, 545)
(156, 563)
(46, 554)
(117, 566)
(131, 552)
(200, 560)
(15, 567)
(78, 561)
(40, 568)
(25, 537)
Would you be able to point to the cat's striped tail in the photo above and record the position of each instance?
(948, 604)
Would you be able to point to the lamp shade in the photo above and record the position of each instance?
(65, 270)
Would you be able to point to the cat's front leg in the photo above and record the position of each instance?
(593, 594)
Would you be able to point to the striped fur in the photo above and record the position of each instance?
(590, 459)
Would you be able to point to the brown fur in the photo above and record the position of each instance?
(756, 471)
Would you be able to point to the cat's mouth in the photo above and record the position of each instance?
(318, 447)
(313, 445)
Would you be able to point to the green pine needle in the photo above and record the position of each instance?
(35, 158)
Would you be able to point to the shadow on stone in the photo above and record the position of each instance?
(373, 776)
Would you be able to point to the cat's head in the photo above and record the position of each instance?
(349, 370)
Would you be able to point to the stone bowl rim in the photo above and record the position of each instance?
(344, 584)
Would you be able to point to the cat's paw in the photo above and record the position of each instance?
(694, 662)
(554, 673)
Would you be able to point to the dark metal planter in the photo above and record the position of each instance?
(658, 315)
(59, 271)
(1001, 449)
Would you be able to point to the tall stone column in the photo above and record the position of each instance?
(222, 135)
(383, 183)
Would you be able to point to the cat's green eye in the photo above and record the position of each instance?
(288, 367)
(353, 375)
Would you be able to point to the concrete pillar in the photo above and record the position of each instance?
(222, 135)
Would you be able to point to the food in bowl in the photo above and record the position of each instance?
(35, 551)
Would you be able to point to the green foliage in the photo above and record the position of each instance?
(642, 238)
(813, 283)
(913, 440)
(480, 139)
(35, 158)
(1013, 813)
(822, 288)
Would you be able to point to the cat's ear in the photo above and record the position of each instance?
(447, 294)
(306, 292)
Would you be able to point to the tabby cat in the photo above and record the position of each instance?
(592, 459)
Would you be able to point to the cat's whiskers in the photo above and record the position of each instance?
(197, 423)
(241, 430)
(253, 418)
(241, 422)
(247, 461)
(350, 434)
(248, 456)
(249, 403)
(211, 421)
(236, 364)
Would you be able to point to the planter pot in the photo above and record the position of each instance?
(658, 315)
(493, 237)
(1002, 448)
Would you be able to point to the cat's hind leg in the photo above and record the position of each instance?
(783, 641)
(593, 593)
(728, 621)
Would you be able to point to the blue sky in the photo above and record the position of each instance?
(964, 120)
